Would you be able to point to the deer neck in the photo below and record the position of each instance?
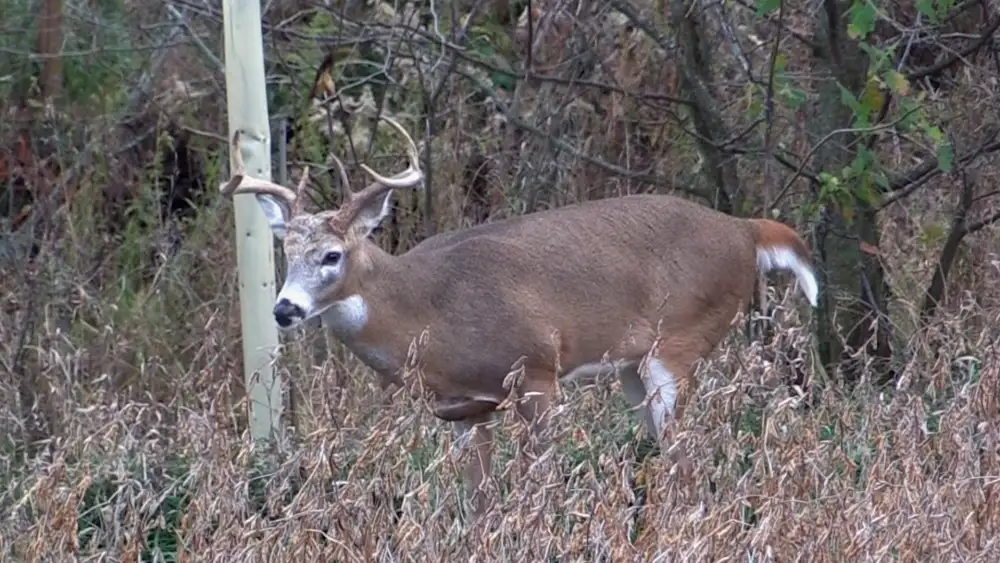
(381, 310)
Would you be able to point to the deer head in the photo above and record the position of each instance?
(324, 250)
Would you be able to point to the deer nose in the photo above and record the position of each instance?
(285, 312)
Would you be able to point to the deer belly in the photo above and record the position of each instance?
(593, 372)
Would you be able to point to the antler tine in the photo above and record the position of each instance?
(300, 190)
(237, 154)
(241, 183)
(345, 183)
(252, 185)
(407, 178)
(237, 173)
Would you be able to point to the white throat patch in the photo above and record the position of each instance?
(346, 318)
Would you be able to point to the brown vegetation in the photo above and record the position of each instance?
(121, 385)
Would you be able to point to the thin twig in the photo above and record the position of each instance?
(826, 138)
(907, 183)
(607, 166)
(972, 48)
(982, 223)
(219, 66)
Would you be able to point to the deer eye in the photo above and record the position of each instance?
(332, 258)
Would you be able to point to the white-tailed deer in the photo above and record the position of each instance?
(604, 284)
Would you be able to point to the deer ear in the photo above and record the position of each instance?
(276, 212)
(371, 212)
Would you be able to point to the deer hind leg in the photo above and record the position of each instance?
(635, 394)
(476, 434)
(660, 396)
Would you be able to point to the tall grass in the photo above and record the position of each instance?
(148, 462)
(120, 357)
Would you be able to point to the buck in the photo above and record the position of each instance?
(641, 285)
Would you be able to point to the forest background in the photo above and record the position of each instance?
(863, 430)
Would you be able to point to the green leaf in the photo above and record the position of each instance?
(881, 180)
(872, 97)
(765, 7)
(848, 99)
(503, 81)
(862, 23)
(755, 103)
(879, 58)
(779, 63)
(897, 82)
(910, 109)
(931, 233)
(866, 191)
(946, 157)
(862, 161)
(926, 7)
(793, 97)
(860, 110)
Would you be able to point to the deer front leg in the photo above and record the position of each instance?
(476, 434)
(388, 384)
(535, 399)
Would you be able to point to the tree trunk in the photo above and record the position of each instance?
(852, 299)
(719, 169)
(49, 46)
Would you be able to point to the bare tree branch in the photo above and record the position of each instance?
(827, 138)
(981, 224)
(607, 166)
(949, 251)
(907, 183)
(972, 48)
(707, 121)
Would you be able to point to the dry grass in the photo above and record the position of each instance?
(148, 466)
(129, 370)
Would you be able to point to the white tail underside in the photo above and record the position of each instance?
(781, 258)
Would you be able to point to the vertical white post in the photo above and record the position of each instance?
(246, 99)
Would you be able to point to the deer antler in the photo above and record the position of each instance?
(407, 178)
(237, 172)
(345, 182)
(355, 202)
(300, 190)
(239, 182)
